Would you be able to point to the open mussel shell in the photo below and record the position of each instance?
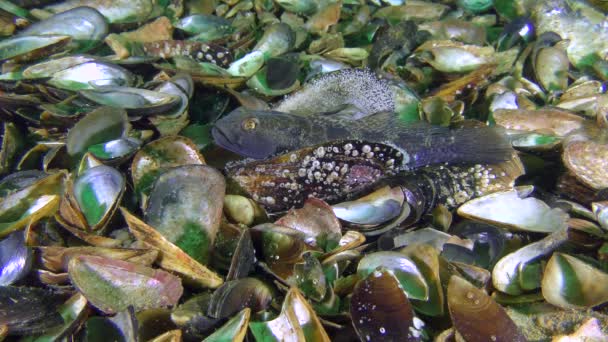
(113, 285)
(308, 276)
(19, 180)
(10, 146)
(233, 296)
(588, 161)
(380, 310)
(115, 11)
(296, 322)
(476, 316)
(569, 282)
(243, 210)
(401, 267)
(115, 151)
(15, 258)
(85, 25)
(509, 210)
(233, 330)
(158, 156)
(315, 219)
(48, 68)
(40, 199)
(185, 206)
(172, 258)
(378, 207)
(555, 121)
(73, 313)
(98, 191)
(90, 75)
(280, 247)
(98, 126)
(179, 85)
(430, 264)
(506, 272)
(56, 258)
(135, 100)
(262, 81)
(29, 310)
(28, 48)
(600, 211)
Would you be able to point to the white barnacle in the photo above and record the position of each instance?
(344, 169)
(316, 164)
(199, 55)
(320, 152)
(355, 153)
(204, 47)
(332, 176)
(317, 175)
(366, 149)
(208, 57)
(220, 55)
(348, 147)
(293, 157)
(390, 162)
(302, 172)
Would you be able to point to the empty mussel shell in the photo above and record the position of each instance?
(135, 100)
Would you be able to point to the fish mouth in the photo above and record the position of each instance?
(224, 140)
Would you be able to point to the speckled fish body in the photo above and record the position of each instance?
(261, 134)
(345, 169)
(203, 52)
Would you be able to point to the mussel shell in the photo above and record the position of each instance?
(115, 150)
(113, 285)
(571, 283)
(27, 48)
(29, 310)
(185, 206)
(160, 155)
(233, 330)
(314, 219)
(380, 310)
(401, 267)
(296, 322)
(19, 180)
(172, 257)
(88, 75)
(85, 25)
(588, 161)
(15, 258)
(476, 316)
(98, 191)
(532, 214)
(136, 101)
(48, 68)
(233, 296)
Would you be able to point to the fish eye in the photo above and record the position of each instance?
(250, 124)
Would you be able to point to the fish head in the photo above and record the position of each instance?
(255, 134)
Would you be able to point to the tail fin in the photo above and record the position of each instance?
(477, 144)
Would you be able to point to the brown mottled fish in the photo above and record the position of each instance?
(343, 169)
(203, 52)
(261, 134)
